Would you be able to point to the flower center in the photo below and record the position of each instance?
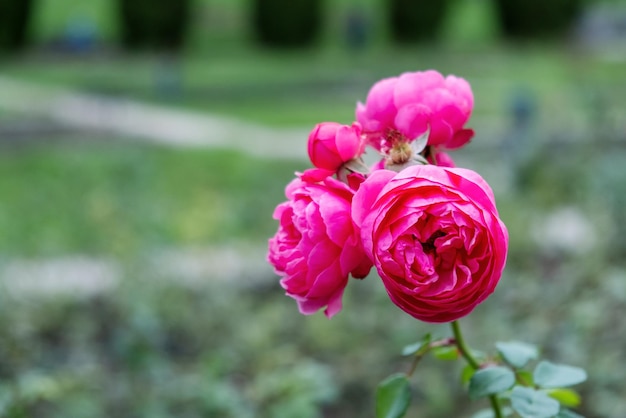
(429, 246)
(400, 152)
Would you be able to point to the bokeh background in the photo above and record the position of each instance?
(145, 143)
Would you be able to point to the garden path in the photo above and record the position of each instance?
(150, 122)
(84, 276)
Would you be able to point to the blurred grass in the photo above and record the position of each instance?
(156, 349)
(101, 196)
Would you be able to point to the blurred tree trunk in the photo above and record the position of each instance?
(415, 20)
(536, 18)
(15, 16)
(154, 24)
(286, 23)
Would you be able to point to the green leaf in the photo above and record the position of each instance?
(467, 373)
(484, 413)
(531, 403)
(393, 396)
(479, 355)
(566, 397)
(566, 413)
(524, 377)
(412, 349)
(550, 375)
(488, 413)
(490, 381)
(446, 353)
(517, 353)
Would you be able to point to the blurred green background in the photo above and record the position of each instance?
(144, 145)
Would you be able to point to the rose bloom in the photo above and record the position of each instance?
(435, 238)
(331, 145)
(317, 246)
(405, 107)
(443, 159)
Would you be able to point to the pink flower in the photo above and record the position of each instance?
(407, 106)
(332, 144)
(435, 238)
(317, 246)
(443, 159)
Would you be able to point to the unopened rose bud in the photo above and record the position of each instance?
(331, 145)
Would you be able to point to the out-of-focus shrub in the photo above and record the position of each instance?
(154, 24)
(14, 20)
(536, 18)
(415, 20)
(286, 23)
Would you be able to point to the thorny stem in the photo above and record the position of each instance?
(466, 353)
(416, 360)
(445, 342)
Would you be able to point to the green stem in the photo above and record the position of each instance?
(416, 360)
(495, 405)
(467, 355)
(463, 348)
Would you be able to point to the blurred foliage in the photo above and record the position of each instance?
(416, 20)
(15, 17)
(154, 24)
(129, 197)
(158, 349)
(217, 23)
(286, 23)
(537, 18)
(51, 18)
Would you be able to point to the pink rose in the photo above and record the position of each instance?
(443, 159)
(435, 238)
(332, 144)
(407, 106)
(317, 246)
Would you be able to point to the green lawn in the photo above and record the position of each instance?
(101, 196)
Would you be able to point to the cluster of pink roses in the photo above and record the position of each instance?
(431, 230)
